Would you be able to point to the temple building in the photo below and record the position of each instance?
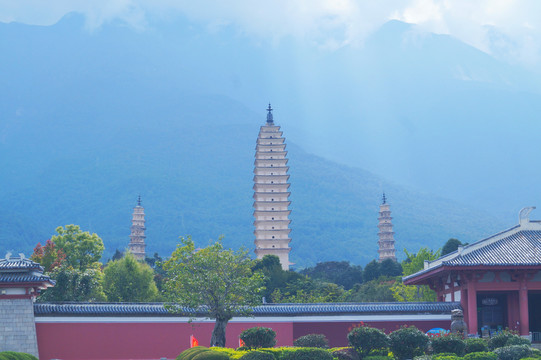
(271, 194)
(137, 238)
(497, 280)
(386, 235)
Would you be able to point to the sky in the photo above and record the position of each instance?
(507, 29)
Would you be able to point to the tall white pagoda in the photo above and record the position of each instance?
(137, 238)
(386, 235)
(271, 194)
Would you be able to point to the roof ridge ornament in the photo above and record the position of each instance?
(524, 215)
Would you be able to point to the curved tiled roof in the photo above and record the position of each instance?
(158, 309)
(19, 264)
(518, 248)
(521, 248)
(24, 278)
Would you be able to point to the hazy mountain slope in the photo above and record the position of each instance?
(91, 120)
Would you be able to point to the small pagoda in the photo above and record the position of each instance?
(137, 238)
(271, 194)
(386, 235)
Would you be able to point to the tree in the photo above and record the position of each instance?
(75, 285)
(450, 246)
(275, 276)
(79, 275)
(390, 267)
(129, 280)
(49, 256)
(412, 264)
(371, 271)
(214, 281)
(372, 291)
(416, 262)
(83, 250)
(338, 272)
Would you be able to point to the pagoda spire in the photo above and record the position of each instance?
(271, 194)
(270, 120)
(386, 235)
(137, 238)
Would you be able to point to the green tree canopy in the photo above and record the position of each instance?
(390, 267)
(129, 280)
(338, 272)
(83, 250)
(416, 262)
(412, 264)
(217, 281)
(371, 271)
(75, 285)
(450, 246)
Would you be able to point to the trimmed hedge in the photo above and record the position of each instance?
(257, 355)
(366, 339)
(308, 354)
(211, 355)
(346, 354)
(481, 355)
(513, 352)
(258, 337)
(448, 344)
(408, 342)
(446, 356)
(13, 355)
(500, 340)
(475, 345)
(190, 353)
(312, 340)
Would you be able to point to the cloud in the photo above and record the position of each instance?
(508, 29)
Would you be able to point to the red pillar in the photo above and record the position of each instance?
(464, 301)
(523, 308)
(472, 308)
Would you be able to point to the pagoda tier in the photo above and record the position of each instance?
(386, 235)
(271, 194)
(137, 244)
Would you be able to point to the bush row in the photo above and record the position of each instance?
(371, 344)
(12, 355)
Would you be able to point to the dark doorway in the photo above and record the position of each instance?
(491, 312)
(534, 300)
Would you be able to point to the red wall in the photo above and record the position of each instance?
(73, 341)
(153, 340)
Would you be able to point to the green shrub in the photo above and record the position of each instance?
(518, 340)
(346, 354)
(312, 340)
(232, 353)
(475, 345)
(308, 354)
(258, 337)
(423, 357)
(500, 340)
(13, 355)
(190, 353)
(378, 357)
(211, 355)
(481, 355)
(448, 344)
(536, 353)
(513, 352)
(257, 355)
(408, 342)
(365, 339)
(446, 356)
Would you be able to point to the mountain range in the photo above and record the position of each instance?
(93, 119)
